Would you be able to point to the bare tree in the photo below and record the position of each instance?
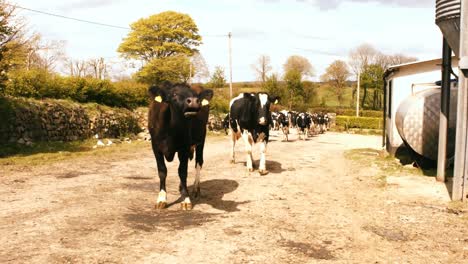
(299, 64)
(360, 57)
(77, 68)
(262, 67)
(385, 61)
(51, 52)
(98, 68)
(200, 70)
(337, 74)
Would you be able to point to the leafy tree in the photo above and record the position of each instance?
(294, 86)
(163, 42)
(310, 93)
(217, 79)
(160, 36)
(173, 69)
(299, 65)
(372, 80)
(9, 32)
(262, 67)
(336, 75)
(273, 86)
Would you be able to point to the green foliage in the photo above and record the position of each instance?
(273, 86)
(372, 83)
(359, 122)
(217, 79)
(159, 36)
(336, 75)
(219, 104)
(174, 69)
(40, 84)
(295, 88)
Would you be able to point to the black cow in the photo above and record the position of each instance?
(177, 121)
(251, 119)
(292, 116)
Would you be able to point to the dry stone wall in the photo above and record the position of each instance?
(26, 120)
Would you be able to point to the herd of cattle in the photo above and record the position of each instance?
(177, 122)
(306, 124)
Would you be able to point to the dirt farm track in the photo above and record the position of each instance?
(330, 199)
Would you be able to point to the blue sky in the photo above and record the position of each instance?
(320, 30)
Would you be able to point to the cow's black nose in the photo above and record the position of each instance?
(192, 102)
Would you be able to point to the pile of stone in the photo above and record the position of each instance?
(27, 121)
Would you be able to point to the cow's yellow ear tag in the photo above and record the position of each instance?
(276, 101)
(205, 102)
(158, 99)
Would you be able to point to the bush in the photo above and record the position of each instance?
(347, 111)
(359, 122)
(40, 84)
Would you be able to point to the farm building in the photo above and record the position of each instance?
(411, 91)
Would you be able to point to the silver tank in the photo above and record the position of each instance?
(417, 121)
(448, 20)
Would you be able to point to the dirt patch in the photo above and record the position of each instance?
(307, 249)
(154, 220)
(388, 234)
(333, 198)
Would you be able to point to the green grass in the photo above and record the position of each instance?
(331, 99)
(385, 162)
(50, 152)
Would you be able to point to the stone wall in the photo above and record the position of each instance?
(27, 120)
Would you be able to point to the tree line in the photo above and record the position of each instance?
(164, 47)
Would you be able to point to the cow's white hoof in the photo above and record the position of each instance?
(186, 205)
(250, 169)
(263, 172)
(161, 202)
(160, 205)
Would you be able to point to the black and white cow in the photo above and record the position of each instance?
(274, 121)
(284, 124)
(177, 121)
(303, 122)
(226, 124)
(251, 119)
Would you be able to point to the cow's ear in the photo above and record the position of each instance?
(274, 99)
(158, 94)
(205, 96)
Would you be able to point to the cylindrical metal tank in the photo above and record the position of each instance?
(448, 20)
(417, 121)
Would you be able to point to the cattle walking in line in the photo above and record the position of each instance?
(250, 119)
(303, 122)
(284, 125)
(292, 117)
(275, 125)
(177, 121)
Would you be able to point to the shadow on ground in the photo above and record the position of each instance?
(148, 219)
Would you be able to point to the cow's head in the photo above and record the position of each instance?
(265, 102)
(180, 98)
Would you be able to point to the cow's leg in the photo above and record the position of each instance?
(162, 172)
(233, 145)
(248, 149)
(183, 166)
(198, 167)
(262, 168)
